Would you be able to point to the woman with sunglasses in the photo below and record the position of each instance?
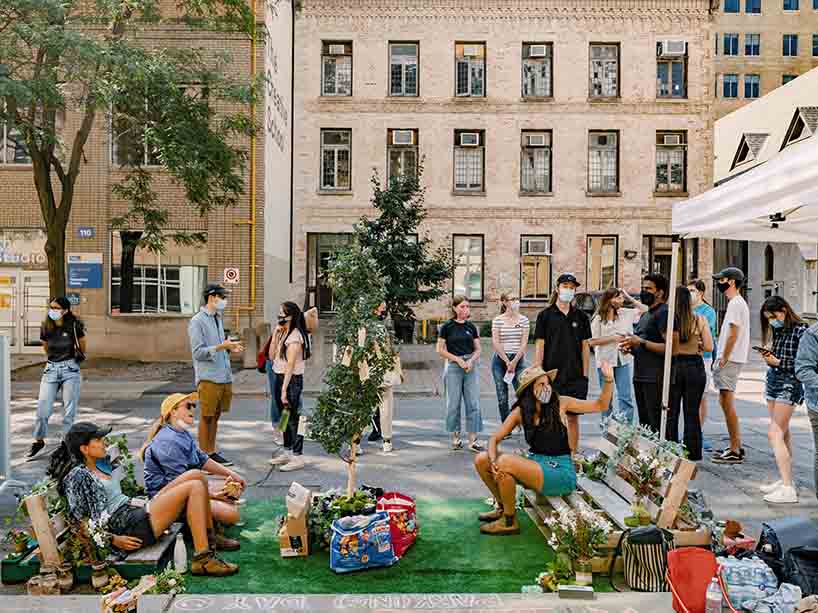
(172, 456)
(93, 493)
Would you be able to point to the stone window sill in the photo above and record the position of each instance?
(468, 98)
(523, 194)
(537, 99)
(676, 99)
(16, 167)
(589, 194)
(456, 192)
(151, 315)
(611, 100)
(338, 192)
(670, 194)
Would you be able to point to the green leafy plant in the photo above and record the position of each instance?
(169, 581)
(557, 572)
(17, 538)
(129, 485)
(331, 506)
(595, 467)
(577, 533)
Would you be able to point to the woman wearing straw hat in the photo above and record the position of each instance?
(172, 456)
(549, 468)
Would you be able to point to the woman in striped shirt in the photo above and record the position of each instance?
(509, 336)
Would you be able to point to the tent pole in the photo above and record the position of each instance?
(671, 315)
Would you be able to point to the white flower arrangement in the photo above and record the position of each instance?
(100, 537)
(578, 532)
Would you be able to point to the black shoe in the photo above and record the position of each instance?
(217, 457)
(36, 447)
(374, 437)
(730, 457)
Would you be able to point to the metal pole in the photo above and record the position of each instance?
(5, 408)
(671, 315)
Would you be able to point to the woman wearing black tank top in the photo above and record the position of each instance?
(549, 468)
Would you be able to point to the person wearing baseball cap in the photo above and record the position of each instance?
(562, 333)
(93, 494)
(211, 365)
(548, 469)
(732, 354)
(172, 456)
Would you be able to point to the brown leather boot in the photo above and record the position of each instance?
(507, 524)
(492, 515)
(220, 542)
(208, 564)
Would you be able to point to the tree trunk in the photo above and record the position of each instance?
(55, 252)
(351, 469)
(129, 243)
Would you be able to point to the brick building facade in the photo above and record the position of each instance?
(548, 142)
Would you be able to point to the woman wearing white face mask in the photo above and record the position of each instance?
(62, 334)
(172, 456)
(509, 337)
(548, 470)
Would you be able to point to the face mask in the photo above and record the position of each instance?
(723, 287)
(776, 323)
(221, 304)
(647, 298)
(54, 314)
(515, 305)
(544, 395)
(180, 424)
(382, 316)
(566, 295)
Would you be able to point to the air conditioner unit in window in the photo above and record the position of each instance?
(537, 51)
(672, 139)
(471, 50)
(469, 139)
(601, 139)
(402, 137)
(337, 49)
(536, 140)
(672, 48)
(537, 247)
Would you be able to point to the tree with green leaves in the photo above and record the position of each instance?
(415, 271)
(85, 59)
(362, 356)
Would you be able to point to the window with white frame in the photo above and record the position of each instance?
(671, 162)
(537, 70)
(601, 262)
(603, 162)
(469, 160)
(752, 86)
(468, 265)
(13, 148)
(732, 6)
(786, 78)
(790, 5)
(604, 69)
(730, 45)
(402, 151)
(535, 267)
(790, 45)
(671, 69)
(336, 68)
(130, 145)
(730, 86)
(470, 69)
(752, 45)
(752, 7)
(403, 69)
(535, 161)
(336, 159)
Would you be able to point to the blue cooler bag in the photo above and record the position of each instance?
(361, 542)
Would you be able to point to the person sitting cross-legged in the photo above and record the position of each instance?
(93, 494)
(549, 467)
(172, 456)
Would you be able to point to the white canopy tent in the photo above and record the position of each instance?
(776, 201)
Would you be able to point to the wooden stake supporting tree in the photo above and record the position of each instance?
(363, 357)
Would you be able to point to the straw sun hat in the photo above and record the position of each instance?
(172, 401)
(531, 374)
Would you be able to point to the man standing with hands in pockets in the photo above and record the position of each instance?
(211, 364)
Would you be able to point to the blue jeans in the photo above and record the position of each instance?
(623, 378)
(498, 371)
(58, 374)
(275, 414)
(463, 388)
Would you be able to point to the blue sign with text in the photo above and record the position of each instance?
(85, 270)
(86, 232)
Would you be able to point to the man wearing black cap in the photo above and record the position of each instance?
(562, 334)
(211, 363)
(731, 356)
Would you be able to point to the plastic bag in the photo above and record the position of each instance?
(403, 522)
(361, 542)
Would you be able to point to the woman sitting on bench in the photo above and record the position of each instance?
(549, 468)
(172, 456)
(93, 494)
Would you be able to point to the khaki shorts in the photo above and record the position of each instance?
(726, 379)
(214, 398)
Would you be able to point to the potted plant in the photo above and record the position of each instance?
(578, 534)
(17, 539)
(643, 474)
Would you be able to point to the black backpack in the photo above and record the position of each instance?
(801, 569)
(645, 552)
(780, 536)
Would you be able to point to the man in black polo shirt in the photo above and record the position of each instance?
(562, 335)
(648, 348)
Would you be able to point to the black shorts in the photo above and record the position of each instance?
(133, 521)
(578, 388)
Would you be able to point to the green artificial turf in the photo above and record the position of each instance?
(450, 556)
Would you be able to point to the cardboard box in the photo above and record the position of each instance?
(294, 536)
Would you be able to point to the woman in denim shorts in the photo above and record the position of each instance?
(783, 392)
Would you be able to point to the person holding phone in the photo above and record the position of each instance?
(289, 350)
(783, 391)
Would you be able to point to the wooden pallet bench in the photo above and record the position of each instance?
(50, 532)
(612, 497)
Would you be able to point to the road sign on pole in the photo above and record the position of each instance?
(231, 276)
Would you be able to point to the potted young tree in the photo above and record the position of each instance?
(578, 534)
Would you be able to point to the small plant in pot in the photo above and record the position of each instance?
(643, 474)
(578, 534)
(17, 539)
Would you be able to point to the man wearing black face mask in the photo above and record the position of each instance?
(648, 348)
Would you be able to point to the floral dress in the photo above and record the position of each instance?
(88, 500)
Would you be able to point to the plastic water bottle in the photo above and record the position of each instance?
(713, 600)
(180, 555)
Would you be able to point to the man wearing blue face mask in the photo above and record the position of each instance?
(562, 334)
(211, 363)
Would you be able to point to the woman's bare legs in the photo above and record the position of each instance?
(780, 438)
(511, 470)
(483, 466)
(191, 496)
(220, 511)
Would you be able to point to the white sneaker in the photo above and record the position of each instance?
(282, 458)
(771, 487)
(295, 463)
(278, 437)
(387, 446)
(785, 494)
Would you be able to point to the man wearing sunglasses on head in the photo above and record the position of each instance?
(171, 455)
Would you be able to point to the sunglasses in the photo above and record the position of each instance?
(190, 405)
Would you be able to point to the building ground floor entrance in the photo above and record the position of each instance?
(23, 303)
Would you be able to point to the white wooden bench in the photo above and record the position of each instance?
(612, 496)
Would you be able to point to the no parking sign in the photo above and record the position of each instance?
(231, 276)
